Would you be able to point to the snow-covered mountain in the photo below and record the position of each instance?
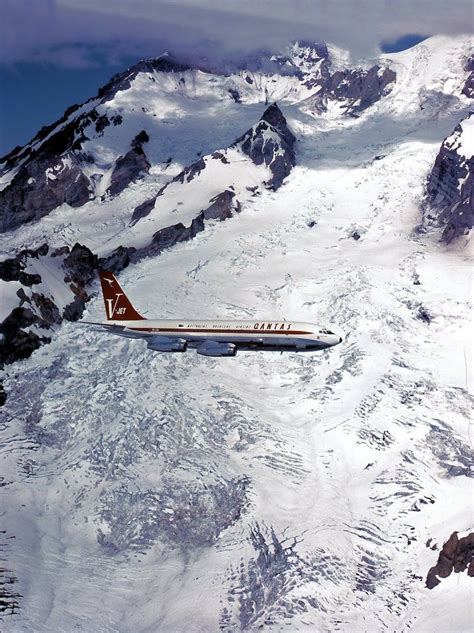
(320, 492)
(98, 148)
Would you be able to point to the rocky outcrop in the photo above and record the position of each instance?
(189, 173)
(143, 209)
(221, 207)
(117, 261)
(361, 88)
(270, 142)
(355, 90)
(40, 186)
(129, 167)
(448, 202)
(468, 88)
(16, 343)
(31, 322)
(456, 555)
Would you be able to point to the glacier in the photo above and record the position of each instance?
(171, 492)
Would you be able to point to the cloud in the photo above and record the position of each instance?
(78, 33)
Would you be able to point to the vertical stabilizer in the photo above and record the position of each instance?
(117, 305)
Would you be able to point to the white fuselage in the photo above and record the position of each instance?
(243, 334)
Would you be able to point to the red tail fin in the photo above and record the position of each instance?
(117, 305)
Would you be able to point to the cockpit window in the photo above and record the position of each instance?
(325, 332)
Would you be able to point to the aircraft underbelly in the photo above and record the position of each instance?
(260, 341)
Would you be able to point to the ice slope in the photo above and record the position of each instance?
(184, 200)
(152, 492)
(430, 75)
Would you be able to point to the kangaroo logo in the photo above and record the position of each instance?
(112, 305)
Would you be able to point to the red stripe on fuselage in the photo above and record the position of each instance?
(218, 331)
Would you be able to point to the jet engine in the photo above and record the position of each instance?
(162, 344)
(212, 348)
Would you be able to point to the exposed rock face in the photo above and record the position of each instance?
(222, 207)
(32, 321)
(40, 186)
(73, 311)
(69, 135)
(449, 196)
(468, 88)
(270, 142)
(81, 265)
(143, 210)
(117, 261)
(359, 89)
(356, 89)
(16, 343)
(457, 555)
(189, 173)
(129, 167)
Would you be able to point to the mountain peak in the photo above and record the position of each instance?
(270, 142)
(121, 81)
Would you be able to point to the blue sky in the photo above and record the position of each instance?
(54, 53)
(33, 95)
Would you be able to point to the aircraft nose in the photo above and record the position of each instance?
(340, 339)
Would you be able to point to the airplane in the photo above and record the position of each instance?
(209, 338)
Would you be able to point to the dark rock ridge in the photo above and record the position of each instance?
(272, 143)
(468, 88)
(129, 167)
(40, 186)
(356, 89)
(36, 308)
(221, 207)
(53, 175)
(449, 194)
(456, 555)
(359, 88)
(9, 598)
